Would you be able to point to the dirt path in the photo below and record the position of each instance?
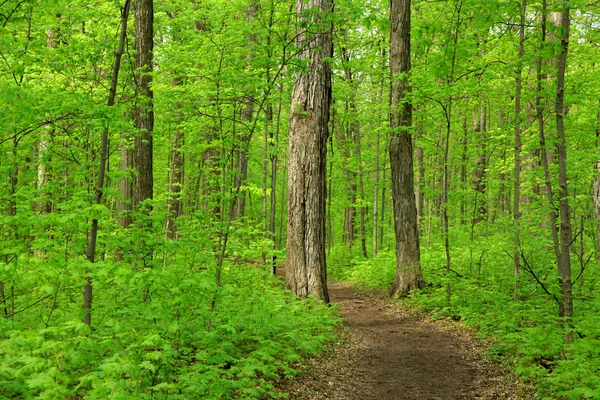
(388, 354)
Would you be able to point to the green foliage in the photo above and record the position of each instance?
(526, 334)
(149, 336)
(369, 274)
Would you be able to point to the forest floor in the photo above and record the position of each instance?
(390, 353)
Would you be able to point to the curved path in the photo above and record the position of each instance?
(388, 354)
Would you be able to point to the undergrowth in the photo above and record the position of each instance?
(149, 336)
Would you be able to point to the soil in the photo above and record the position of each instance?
(389, 353)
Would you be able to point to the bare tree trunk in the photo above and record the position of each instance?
(344, 140)
(144, 109)
(283, 198)
(361, 188)
(596, 195)
(419, 198)
(566, 236)
(517, 143)
(463, 173)
(268, 117)
(274, 160)
(382, 237)
(125, 183)
(306, 271)
(12, 211)
(176, 176)
(329, 189)
(376, 172)
(478, 182)
(541, 127)
(91, 250)
(408, 268)
(247, 115)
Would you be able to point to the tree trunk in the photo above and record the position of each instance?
(596, 196)
(564, 262)
(376, 172)
(91, 249)
(174, 203)
(419, 198)
(463, 173)
(345, 138)
(517, 143)
(478, 182)
(144, 109)
(306, 272)
(408, 269)
(361, 186)
(247, 114)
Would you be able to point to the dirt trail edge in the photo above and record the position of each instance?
(389, 354)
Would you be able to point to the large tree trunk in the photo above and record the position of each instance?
(408, 269)
(144, 111)
(306, 272)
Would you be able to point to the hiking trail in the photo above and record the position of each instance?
(388, 353)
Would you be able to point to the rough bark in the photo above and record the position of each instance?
(306, 268)
(144, 111)
(408, 269)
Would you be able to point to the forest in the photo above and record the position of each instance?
(161, 161)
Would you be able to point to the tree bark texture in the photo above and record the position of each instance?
(408, 270)
(311, 98)
(144, 110)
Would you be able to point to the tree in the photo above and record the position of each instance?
(566, 235)
(306, 272)
(517, 145)
(144, 109)
(91, 249)
(408, 269)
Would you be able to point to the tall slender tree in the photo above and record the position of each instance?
(306, 272)
(566, 235)
(91, 249)
(517, 145)
(144, 110)
(408, 269)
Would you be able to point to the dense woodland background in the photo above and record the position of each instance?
(180, 299)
